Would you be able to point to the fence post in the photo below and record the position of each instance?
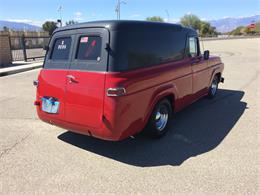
(5, 50)
(24, 48)
(10, 43)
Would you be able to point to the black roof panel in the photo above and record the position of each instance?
(125, 25)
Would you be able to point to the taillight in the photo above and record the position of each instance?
(120, 91)
(37, 103)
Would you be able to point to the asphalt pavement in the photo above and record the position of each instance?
(212, 148)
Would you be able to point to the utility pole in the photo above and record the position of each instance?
(168, 15)
(118, 8)
(60, 11)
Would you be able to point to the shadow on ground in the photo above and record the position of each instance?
(198, 129)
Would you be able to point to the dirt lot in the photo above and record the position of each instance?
(212, 148)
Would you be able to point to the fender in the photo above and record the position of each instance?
(215, 71)
(163, 91)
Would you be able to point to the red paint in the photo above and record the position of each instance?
(85, 108)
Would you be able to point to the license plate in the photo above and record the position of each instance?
(50, 105)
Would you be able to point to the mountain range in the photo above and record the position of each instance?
(222, 25)
(228, 24)
(18, 26)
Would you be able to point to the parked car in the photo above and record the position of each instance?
(112, 79)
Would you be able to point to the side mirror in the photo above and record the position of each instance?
(206, 55)
(46, 47)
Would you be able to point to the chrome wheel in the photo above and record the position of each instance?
(161, 118)
(214, 87)
(157, 125)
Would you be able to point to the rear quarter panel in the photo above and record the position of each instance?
(145, 87)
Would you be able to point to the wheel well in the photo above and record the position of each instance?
(171, 99)
(219, 76)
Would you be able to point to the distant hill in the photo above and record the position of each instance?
(19, 26)
(229, 24)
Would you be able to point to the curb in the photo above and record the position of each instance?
(14, 70)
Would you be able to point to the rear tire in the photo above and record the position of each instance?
(213, 89)
(159, 120)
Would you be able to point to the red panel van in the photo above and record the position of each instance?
(112, 79)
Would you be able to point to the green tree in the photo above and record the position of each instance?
(155, 19)
(238, 31)
(191, 20)
(71, 22)
(5, 28)
(249, 31)
(49, 26)
(206, 29)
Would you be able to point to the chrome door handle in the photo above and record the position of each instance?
(72, 79)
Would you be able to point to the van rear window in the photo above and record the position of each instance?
(89, 48)
(61, 49)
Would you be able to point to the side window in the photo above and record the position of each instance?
(144, 48)
(193, 47)
(61, 49)
(89, 48)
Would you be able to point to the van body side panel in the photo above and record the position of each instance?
(144, 87)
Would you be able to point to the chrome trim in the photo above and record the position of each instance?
(115, 89)
(70, 77)
(161, 120)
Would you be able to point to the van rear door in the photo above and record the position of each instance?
(86, 77)
(52, 78)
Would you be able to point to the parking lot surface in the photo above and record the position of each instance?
(212, 148)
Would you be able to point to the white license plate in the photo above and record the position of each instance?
(50, 105)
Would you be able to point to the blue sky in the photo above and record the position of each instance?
(38, 11)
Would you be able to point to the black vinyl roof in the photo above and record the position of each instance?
(127, 25)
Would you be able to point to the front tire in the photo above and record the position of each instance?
(213, 87)
(159, 120)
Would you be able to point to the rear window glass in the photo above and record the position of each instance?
(89, 48)
(61, 49)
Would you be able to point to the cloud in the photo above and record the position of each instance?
(135, 15)
(95, 15)
(78, 16)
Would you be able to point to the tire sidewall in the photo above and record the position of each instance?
(211, 94)
(151, 127)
